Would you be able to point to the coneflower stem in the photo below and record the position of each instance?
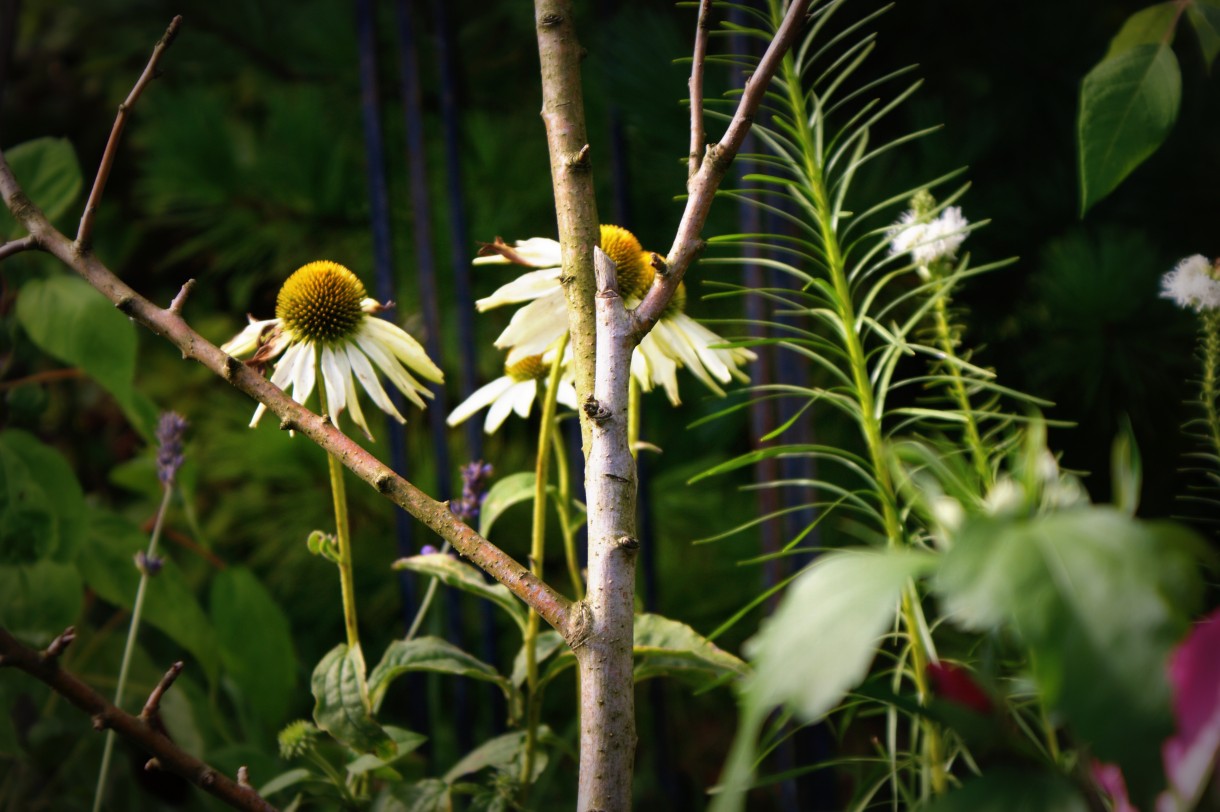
(347, 584)
(563, 502)
(133, 630)
(633, 417)
(542, 466)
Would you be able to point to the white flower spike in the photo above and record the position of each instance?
(928, 240)
(323, 321)
(1192, 284)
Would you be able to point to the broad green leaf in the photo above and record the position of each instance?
(545, 644)
(507, 492)
(1100, 599)
(407, 742)
(459, 575)
(49, 175)
(1150, 26)
(427, 654)
(29, 528)
(1128, 104)
(255, 642)
(822, 638)
(341, 703)
(667, 648)
(427, 795)
(39, 600)
(503, 753)
(38, 472)
(1008, 789)
(71, 321)
(1204, 15)
(285, 780)
(106, 562)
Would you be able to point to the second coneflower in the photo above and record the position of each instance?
(324, 322)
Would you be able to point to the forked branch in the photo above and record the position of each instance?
(44, 666)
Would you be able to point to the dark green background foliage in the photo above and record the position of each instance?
(246, 160)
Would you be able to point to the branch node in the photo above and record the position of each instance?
(126, 304)
(153, 706)
(99, 722)
(207, 778)
(550, 20)
(175, 306)
(288, 424)
(659, 264)
(243, 777)
(578, 161)
(580, 626)
(628, 544)
(384, 482)
(152, 764)
(326, 421)
(58, 645)
(596, 411)
(232, 365)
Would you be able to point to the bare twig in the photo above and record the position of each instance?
(85, 231)
(153, 706)
(702, 187)
(168, 755)
(179, 301)
(17, 246)
(59, 645)
(697, 134)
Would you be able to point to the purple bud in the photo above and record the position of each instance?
(170, 429)
(428, 549)
(150, 565)
(474, 490)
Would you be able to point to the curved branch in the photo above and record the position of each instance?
(703, 185)
(12, 247)
(44, 666)
(165, 322)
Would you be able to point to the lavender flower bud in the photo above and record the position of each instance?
(147, 564)
(170, 429)
(475, 477)
(428, 549)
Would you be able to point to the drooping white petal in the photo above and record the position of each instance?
(539, 252)
(480, 398)
(658, 367)
(404, 347)
(522, 395)
(350, 395)
(525, 287)
(566, 394)
(699, 338)
(393, 370)
(678, 347)
(332, 379)
(535, 327)
(247, 340)
(501, 407)
(367, 377)
(304, 373)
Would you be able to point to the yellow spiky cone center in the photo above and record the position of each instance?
(320, 303)
(631, 261)
(529, 368)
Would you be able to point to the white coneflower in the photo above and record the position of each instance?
(1192, 284)
(676, 341)
(929, 240)
(514, 391)
(323, 321)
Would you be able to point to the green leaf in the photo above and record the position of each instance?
(40, 600)
(1204, 15)
(427, 654)
(428, 795)
(821, 639)
(1100, 599)
(503, 753)
(1150, 26)
(49, 175)
(285, 780)
(255, 642)
(1007, 789)
(342, 706)
(1125, 471)
(39, 493)
(459, 575)
(1128, 104)
(501, 496)
(107, 565)
(545, 644)
(71, 321)
(665, 647)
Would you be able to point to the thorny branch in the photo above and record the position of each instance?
(44, 666)
(715, 165)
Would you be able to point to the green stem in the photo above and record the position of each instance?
(133, 630)
(948, 345)
(1210, 386)
(633, 417)
(537, 549)
(870, 420)
(347, 584)
(563, 501)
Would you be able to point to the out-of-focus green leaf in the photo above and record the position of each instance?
(342, 706)
(71, 321)
(821, 639)
(545, 644)
(106, 562)
(428, 795)
(1128, 104)
(458, 575)
(1100, 599)
(284, 780)
(503, 753)
(39, 600)
(1006, 789)
(53, 476)
(427, 654)
(1204, 15)
(1125, 471)
(507, 492)
(667, 648)
(1150, 26)
(49, 175)
(255, 642)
